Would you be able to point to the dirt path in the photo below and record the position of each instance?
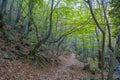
(71, 69)
(72, 61)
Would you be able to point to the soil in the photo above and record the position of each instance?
(70, 69)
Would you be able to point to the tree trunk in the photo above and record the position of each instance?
(10, 11)
(103, 37)
(3, 6)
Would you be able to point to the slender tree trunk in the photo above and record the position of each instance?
(3, 6)
(113, 57)
(29, 23)
(34, 50)
(103, 37)
(99, 51)
(10, 11)
(112, 52)
(19, 12)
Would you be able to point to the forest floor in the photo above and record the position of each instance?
(71, 69)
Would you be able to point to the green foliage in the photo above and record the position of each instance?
(115, 16)
(115, 4)
(32, 39)
(119, 52)
(116, 31)
(71, 17)
(95, 70)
